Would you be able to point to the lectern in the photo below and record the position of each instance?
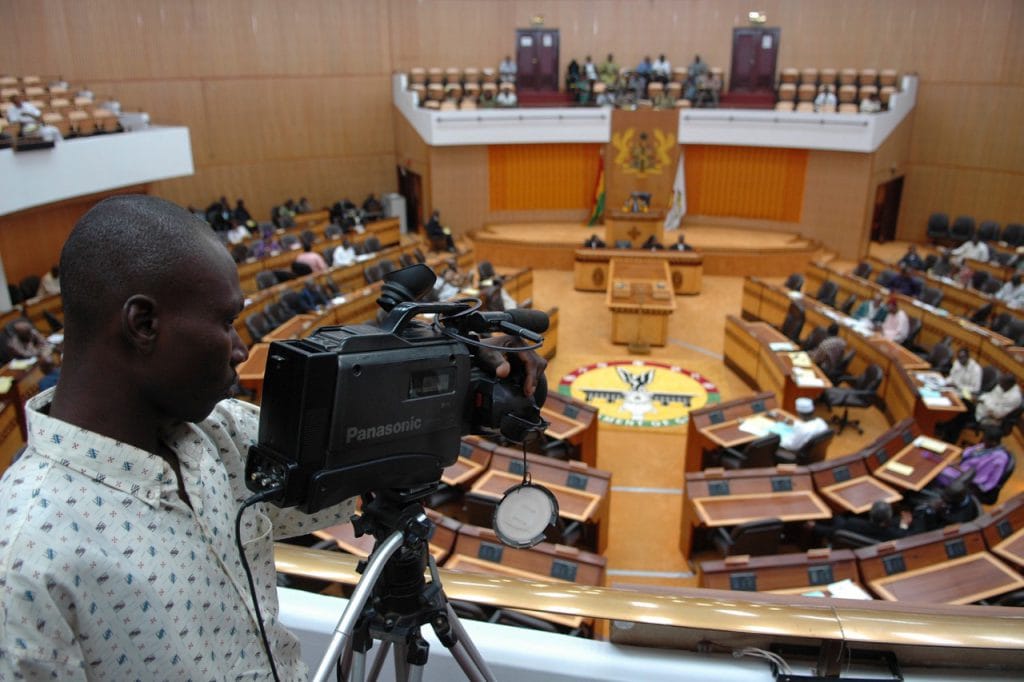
(641, 300)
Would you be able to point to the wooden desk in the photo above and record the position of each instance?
(1012, 548)
(251, 372)
(474, 458)
(848, 486)
(1003, 529)
(591, 268)
(924, 466)
(748, 352)
(633, 227)
(575, 505)
(963, 580)
(574, 421)
(699, 442)
(640, 298)
(717, 498)
(295, 328)
(798, 572)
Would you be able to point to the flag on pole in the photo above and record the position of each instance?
(678, 208)
(598, 211)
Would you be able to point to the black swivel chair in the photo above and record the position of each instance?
(863, 269)
(827, 293)
(978, 279)
(407, 259)
(817, 335)
(258, 326)
(931, 296)
(981, 315)
(885, 278)
(1014, 329)
(988, 231)
(860, 393)
(915, 329)
(420, 258)
(847, 305)
(758, 453)
(1000, 322)
(794, 322)
(938, 227)
(756, 538)
(296, 303)
(265, 279)
(962, 228)
(929, 261)
(794, 282)
(940, 358)
(1013, 234)
(989, 377)
(29, 287)
(371, 273)
(372, 244)
(838, 373)
(333, 231)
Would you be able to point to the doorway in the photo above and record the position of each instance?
(755, 51)
(887, 210)
(410, 186)
(537, 59)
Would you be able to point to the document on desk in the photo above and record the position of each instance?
(780, 346)
(933, 444)
(847, 589)
(898, 468)
(936, 401)
(800, 359)
(806, 377)
(759, 426)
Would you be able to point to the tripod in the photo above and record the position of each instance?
(393, 600)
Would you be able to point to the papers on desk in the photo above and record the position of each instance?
(932, 380)
(337, 300)
(898, 468)
(781, 346)
(800, 359)
(806, 378)
(360, 257)
(6, 383)
(933, 444)
(795, 295)
(844, 589)
(55, 339)
(760, 425)
(21, 363)
(936, 401)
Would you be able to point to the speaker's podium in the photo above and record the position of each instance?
(640, 299)
(633, 227)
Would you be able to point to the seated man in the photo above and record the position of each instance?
(372, 207)
(905, 283)
(1011, 291)
(826, 99)
(492, 292)
(830, 351)
(974, 248)
(872, 309)
(440, 237)
(344, 254)
(30, 119)
(881, 524)
(911, 259)
(594, 242)
(955, 504)
(965, 374)
(652, 244)
(896, 326)
(988, 460)
(25, 342)
(1003, 399)
(807, 427)
(49, 285)
(681, 244)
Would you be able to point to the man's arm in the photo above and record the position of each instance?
(36, 643)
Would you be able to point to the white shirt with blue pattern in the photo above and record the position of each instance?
(108, 575)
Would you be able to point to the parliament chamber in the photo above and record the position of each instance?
(677, 538)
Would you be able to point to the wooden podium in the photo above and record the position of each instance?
(633, 227)
(641, 300)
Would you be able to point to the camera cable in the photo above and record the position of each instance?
(256, 499)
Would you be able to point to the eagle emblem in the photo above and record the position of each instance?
(638, 399)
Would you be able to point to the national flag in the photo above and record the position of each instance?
(598, 212)
(678, 208)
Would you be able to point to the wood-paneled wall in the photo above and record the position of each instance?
(290, 98)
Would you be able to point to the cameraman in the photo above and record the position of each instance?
(118, 554)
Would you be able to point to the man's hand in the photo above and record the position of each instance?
(533, 364)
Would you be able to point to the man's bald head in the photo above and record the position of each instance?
(127, 245)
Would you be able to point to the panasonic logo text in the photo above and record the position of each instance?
(356, 434)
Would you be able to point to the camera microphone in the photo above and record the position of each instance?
(529, 324)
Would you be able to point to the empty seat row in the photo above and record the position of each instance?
(963, 228)
(828, 76)
(452, 76)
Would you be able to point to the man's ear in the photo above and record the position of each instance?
(139, 323)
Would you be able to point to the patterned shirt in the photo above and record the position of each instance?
(107, 574)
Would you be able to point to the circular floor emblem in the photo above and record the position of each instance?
(640, 392)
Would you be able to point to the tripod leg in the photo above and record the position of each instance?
(343, 631)
(463, 641)
(358, 670)
(378, 661)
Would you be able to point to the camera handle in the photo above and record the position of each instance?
(402, 601)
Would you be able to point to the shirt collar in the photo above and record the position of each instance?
(123, 467)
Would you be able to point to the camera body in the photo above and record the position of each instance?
(359, 408)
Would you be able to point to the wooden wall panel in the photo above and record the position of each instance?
(837, 200)
(458, 184)
(981, 193)
(266, 183)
